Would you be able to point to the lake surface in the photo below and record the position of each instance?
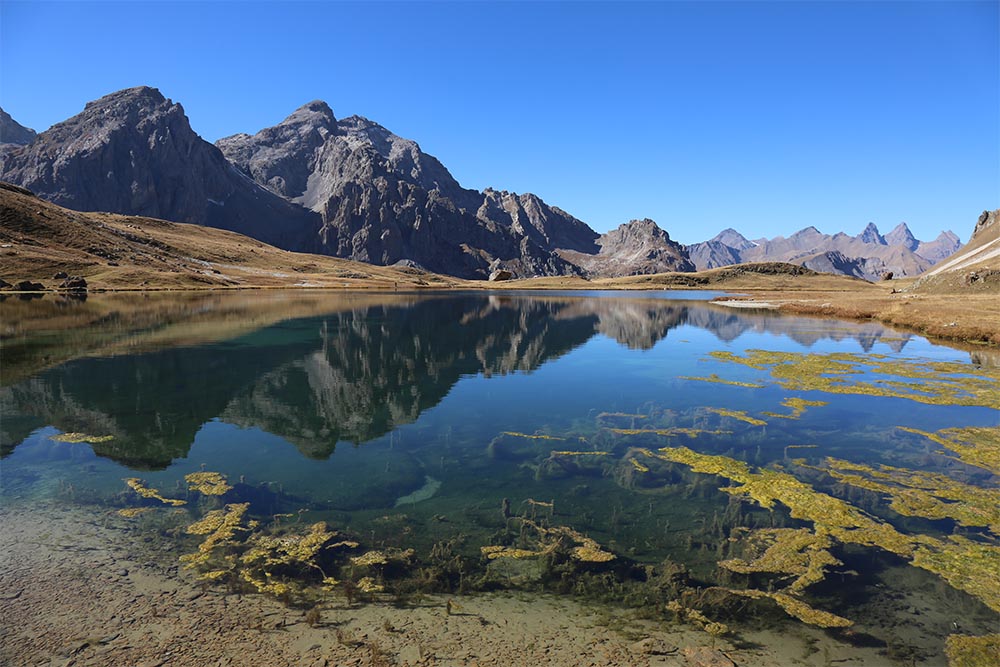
(564, 442)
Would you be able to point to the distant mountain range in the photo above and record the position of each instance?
(869, 255)
(350, 188)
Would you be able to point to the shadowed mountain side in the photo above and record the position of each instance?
(109, 251)
(161, 169)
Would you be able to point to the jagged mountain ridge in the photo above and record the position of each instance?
(134, 152)
(868, 255)
(348, 188)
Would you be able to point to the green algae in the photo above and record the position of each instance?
(739, 415)
(975, 445)
(931, 382)
(81, 437)
(922, 494)
(965, 564)
(718, 380)
(798, 407)
(969, 651)
(798, 553)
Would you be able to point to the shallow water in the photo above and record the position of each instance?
(402, 420)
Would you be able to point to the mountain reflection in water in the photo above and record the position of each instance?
(316, 369)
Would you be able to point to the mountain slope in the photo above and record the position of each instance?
(134, 152)
(41, 239)
(383, 200)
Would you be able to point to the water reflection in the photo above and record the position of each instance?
(346, 367)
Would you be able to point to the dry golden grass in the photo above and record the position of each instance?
(114, 252)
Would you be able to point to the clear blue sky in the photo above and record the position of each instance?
(767, 117)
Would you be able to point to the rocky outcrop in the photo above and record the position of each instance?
(383, 200)
(868, 255)
(638, 247)
(13, 133)
(134, 152)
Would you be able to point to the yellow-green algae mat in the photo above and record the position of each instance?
(924, 381)
(966, 564)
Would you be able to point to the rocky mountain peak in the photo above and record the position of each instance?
(12, 132)
(901, 235)
(733, 239)
(870, 234)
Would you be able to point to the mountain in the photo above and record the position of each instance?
(134, 152)
(871, 235)
(347, 187)
(638, 247)
(869, 255)
(975, 266)
(42, 240)
(383, 200)
(946, 244)
(13, 133)
(902, 236)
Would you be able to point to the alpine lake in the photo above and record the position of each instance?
(723, 469)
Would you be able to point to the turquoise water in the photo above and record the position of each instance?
(393, 423)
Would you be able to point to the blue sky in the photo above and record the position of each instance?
(766, 117)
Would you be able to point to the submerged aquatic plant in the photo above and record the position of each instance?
(669, 432)
(795, 552)
(132, 512)
(965, 564)
(975, 445)
(922, 494)
(934, 382)
(144, 491)
(740, 415)
(208, 483)
(797, 608)
(81, 437)
(718, 380)
(798, 407)
(967, 651)
(533, 436)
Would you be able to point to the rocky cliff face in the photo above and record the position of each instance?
(13, 133)
(868, 255)
(134, 152)
(383, 200)
(636, 248)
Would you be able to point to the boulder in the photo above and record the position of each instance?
(74, 283)
(28, 286)
(501, 274)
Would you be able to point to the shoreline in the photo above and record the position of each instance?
(972, 319)
(73, 594)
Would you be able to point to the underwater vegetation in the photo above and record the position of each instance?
(966, 651)
(739, 415)
(975, 445)
(933, 382)
(798, 407)
(922, 494)
(81, 437)
(965, 564)
(144, 491)
(718, 380)
(208, 483)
